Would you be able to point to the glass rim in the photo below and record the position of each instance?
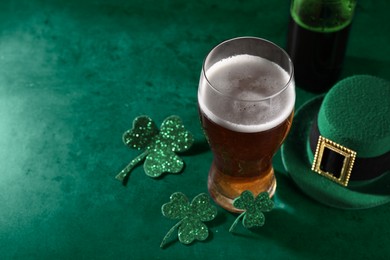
(288, 83)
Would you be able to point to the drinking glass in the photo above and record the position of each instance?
(246, 100)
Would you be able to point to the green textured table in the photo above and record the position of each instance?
(73, 76)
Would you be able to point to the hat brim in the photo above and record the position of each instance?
(297, 163)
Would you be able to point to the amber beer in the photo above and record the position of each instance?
(246, 108)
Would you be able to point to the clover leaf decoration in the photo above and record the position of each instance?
(253, 209)
(191, 216)
(159, 146)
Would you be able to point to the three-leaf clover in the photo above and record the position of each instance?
(253, 209)
(191, 217)
(159, 146)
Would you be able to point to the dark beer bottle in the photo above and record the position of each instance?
(317, 41)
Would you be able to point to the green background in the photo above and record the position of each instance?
(74, 75)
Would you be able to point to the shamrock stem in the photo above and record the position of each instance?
(236, 221)
(170, 233)
(125, 173)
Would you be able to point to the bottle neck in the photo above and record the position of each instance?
(323, 16)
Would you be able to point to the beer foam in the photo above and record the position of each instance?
(238, 84)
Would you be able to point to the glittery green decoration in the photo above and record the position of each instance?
(253, 209)
(191, 217)
(159, 146)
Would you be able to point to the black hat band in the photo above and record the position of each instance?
(332, 162)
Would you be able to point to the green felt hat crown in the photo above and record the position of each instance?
(338, 150)
(356, 114)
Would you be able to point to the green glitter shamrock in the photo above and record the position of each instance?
(159, 146)
(254, 208)
(191, 217)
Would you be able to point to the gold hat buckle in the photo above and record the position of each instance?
(348, 161)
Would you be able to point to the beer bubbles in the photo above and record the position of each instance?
(240, 82)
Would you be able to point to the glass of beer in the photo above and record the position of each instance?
(246, 100)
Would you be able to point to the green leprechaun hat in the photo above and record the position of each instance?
(338, 150)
